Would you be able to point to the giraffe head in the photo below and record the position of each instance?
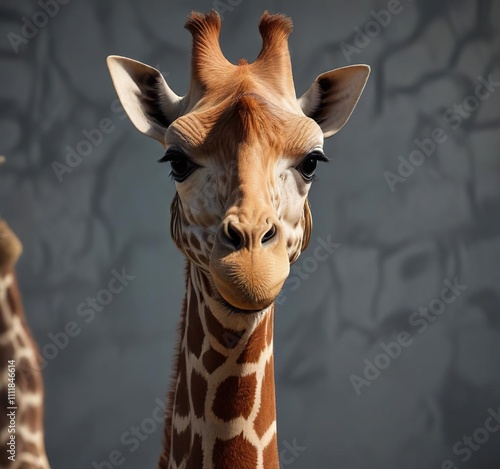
(243, 151)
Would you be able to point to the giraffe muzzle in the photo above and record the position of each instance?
(245, 235)
(249, 263)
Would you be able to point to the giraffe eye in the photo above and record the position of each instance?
(180, 164)
(308, 166)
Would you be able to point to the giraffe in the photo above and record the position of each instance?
(243, 151)
(21, 421)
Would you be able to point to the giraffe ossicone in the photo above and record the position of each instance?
(241, 132)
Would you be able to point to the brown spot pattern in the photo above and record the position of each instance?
(27, 376)
(231, 339)
(226, 337)
(8, 353)
(179, 358)
(212, 360)
(198, 393)
(256, 343)
(195, 332)
(241, 392)
(270, 459)
(267, 410)
(181, 394)
(181, 443)
(236, 452)
(31, 417)
(195, 460)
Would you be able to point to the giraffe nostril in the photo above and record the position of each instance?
(233, 236)
(270, 234)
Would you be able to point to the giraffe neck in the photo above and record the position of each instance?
(25, 407)
(222, 404)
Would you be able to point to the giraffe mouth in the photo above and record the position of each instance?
(230, 308)
(246, 291)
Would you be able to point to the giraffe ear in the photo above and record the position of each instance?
(333, 96)
(147, 99)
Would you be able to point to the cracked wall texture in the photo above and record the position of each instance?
(397, 248)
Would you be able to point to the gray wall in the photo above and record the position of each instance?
(395, 249)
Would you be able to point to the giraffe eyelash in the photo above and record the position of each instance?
(172, 154)
(307, 166)
(182, 166)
